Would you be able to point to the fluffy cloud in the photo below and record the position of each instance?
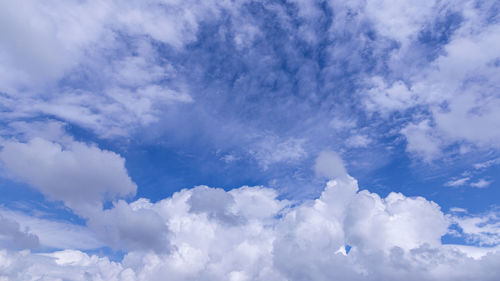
(383, 98)
(329, 165)
(455, 89)
(482, 229)
(467, 88)
(135, 226)
(249, 234)
(80, 175)
(421, 140)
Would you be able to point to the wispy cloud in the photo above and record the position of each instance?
(457, 182)
(481, 183)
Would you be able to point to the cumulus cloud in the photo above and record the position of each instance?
(84, 177)
(247, 233)
(215, 202)
(135, 226)
(329, 164)
(391, 238)
(80, 175)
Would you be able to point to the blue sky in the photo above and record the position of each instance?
(123, 122)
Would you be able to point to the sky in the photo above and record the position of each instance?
(250, 140)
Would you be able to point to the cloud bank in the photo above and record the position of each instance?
(249, 234)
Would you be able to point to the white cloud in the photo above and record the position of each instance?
(135, 226)
(471, 118)
(43, 40)
(481, 229)
(83, 177)
(486, 164)
(481, 183)
(51, 130)
(80, 175)
(329, 165)
(66, 32)
(400, 20)
(73, 38)
(466, 83)
(62, 265)
(457, 182)
(341, 124)
(247, 233)
(384, 98)
(137, 105)
(382, 226)
(456, 91)
(358, 141)
(476, 253)
(421, 141)
(273, 150)
(458, 210)
(229, 158)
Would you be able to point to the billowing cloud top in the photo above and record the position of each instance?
(249, 234)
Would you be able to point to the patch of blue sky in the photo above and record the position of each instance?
(22, 198)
